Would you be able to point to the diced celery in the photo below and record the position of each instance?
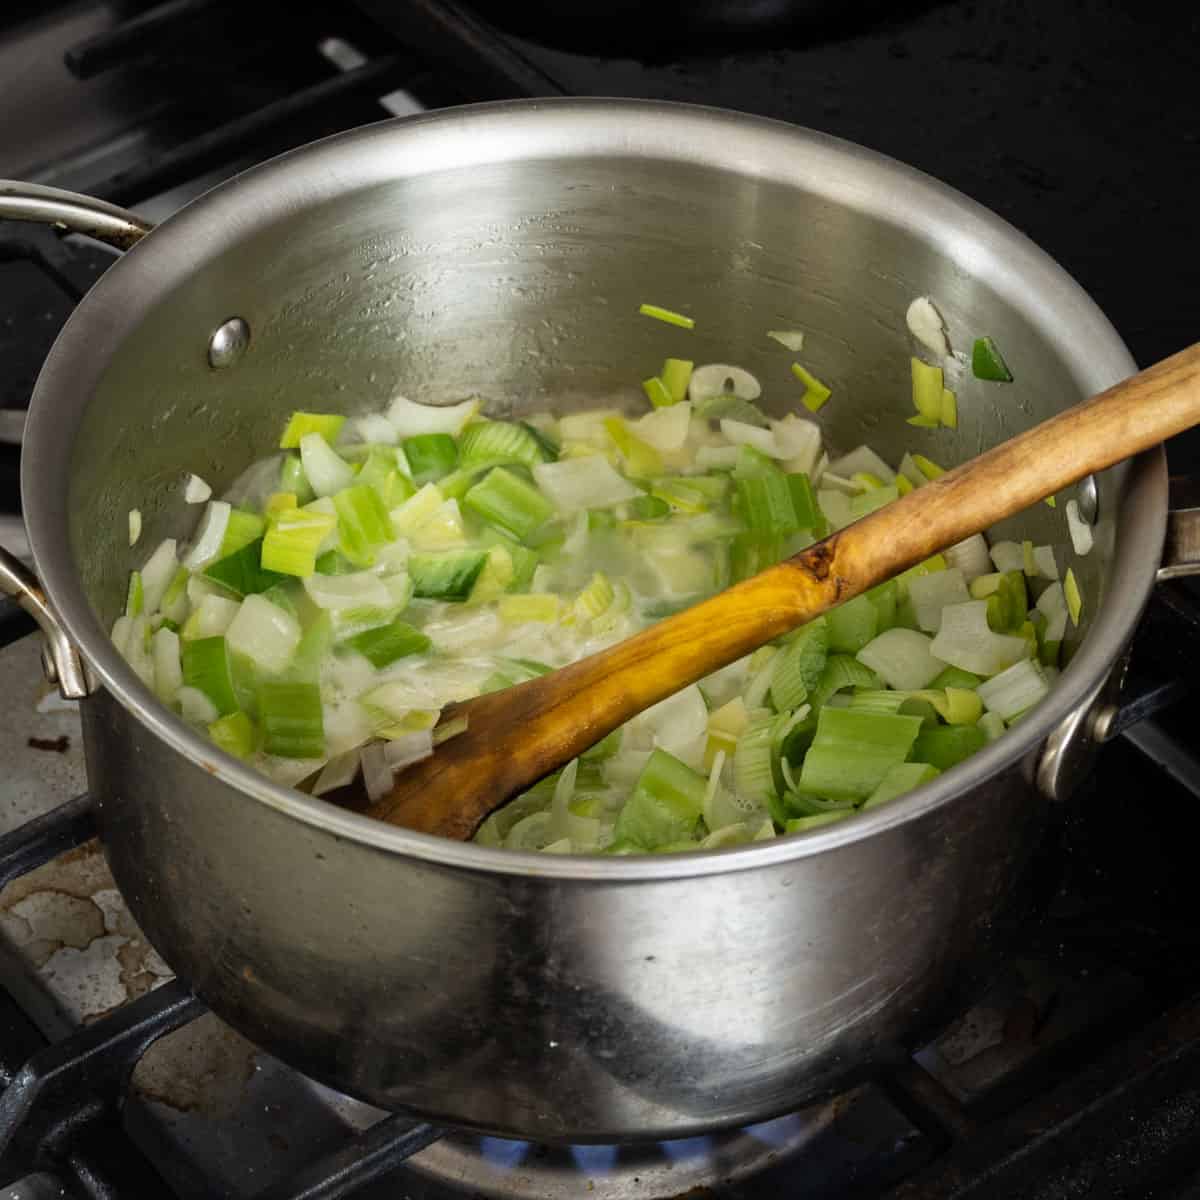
(750, 553)
(804, 503)
(328, 425)
(508, 502)
(206, 668)
(383, 645)
(665, 806)
(800, 665)
(764, 503)
(292, 719)
(234, 733)
(665, 314)
(430, 456)
(292, 540)
(943, 746)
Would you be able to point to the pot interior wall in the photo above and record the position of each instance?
(520, 282)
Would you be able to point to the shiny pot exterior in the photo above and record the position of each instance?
(504, 250)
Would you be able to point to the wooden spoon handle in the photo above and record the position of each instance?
(517, 736)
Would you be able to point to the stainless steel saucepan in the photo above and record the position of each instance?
(503, 250)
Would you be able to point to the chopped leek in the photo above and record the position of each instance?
(676, 374)
(293, 539)
(665, 806)
(234, 733)
(508, 502)
(988, 363)
(206, 667)
(385, 644)
(449, 575)
(657, 392)
(1073, 595)
(324, 470)
(328, 425)
(292, 721)
(497, 443)
(853, 751)
(943, 746)
(927, 390)
(902, 778)
(430, 456)
(815, 392)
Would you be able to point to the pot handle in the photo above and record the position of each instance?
(60, 659)
(71, 213)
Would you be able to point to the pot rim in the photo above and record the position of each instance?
(839, 172)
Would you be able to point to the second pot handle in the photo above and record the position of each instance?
(71, 212)
(63, 664)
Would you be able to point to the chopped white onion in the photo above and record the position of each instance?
(157, 574)
(264, 632)
(714, 379)
(135, 525)
(902, 658)
(587, 426)
(138, 651)
(992, 725)
(1012, 691)
(926, 325)
(196, 707)
(168, 670)
(564, 790)
(375, 428)
(1008, 556)
(965, 640)
(1079, 529)
(799, 442)
(1052, 604)
(671, 724)
(377, 775)
(196, 490)
(337, 772)
(832, 482)
(862, 460)
(578, 483)
(931, 593)
(1044, 560)
(120, 635)
(412, 748)
(836, 507)
(970, 556)
(210, 535)
(411, 419)
(212, 616)
(360, 589)
(793, 339)
(326, 471)
(718, 458)
(911, 472)
(666, 428)
(741, 434)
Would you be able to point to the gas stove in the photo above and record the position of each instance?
(1077, 1072)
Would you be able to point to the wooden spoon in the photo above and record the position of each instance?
(517, 736)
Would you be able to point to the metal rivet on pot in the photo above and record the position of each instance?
(228, 343)
(1089, 499)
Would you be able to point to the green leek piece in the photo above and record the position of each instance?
(328, 425)
(955, 677)
(853, 751)
(750, 553)
(494, 579)
(292, 539)
(649, 508)
(384, 645)
(799, 665)
(1008, 602)
(804, 503)
(676, 374)
(235, 734)
(448, 575)
(852, 625)
(656, 392)
(945, 745)
(292, 479)
(206, 667)
(842, 671)
(390, 484)
(752, 463)
(278, 502)
(312, 650)
(243, 528)
(641, 459)
(134, 595)
(333, 563)
(801, 804)
(988, 363)
(430, 456)
(1051, 502)
(292, 722)
(732, 406)
(901, 778)
(600, 520)
(688, 495)
(764, 503)
(949, 409)
(1074, 596)
(530, 606)
(524, 560)
(874, 700)
(497, 443)
(873, 498)
(242, 572)
(548, 445)
(506, 501)
(815, 392)
(174, 601)
(928, 467)
(665, 806)
(665, 314)
(922, 422)
(885, 597)
(903, 483)
(753, 765)
(956, 706)
(927, 388)
(363, 523)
